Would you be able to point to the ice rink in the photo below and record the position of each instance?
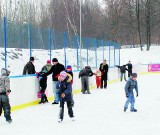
(100, 113)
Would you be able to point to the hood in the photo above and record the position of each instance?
(5, 72)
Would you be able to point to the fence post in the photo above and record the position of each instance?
(5, 41)
(102, 41)
(50, 43)
(114, 53)
(95, 46)
(65, 42)
(77, 52)
(87, 48)
(109, 54)
(119, 54)
(30, 38)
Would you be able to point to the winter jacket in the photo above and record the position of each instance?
(65, 87)
(130, 85)
(4, 81)
(55, 71)
(71, 73)
(104, 69)
(122, 68)
(29, 68)
(86, 72)
(129, 66)
(46, 68)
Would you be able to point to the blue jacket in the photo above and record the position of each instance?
(130, 85)
(66, 88)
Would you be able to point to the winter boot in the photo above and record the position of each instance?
(125, 109)
(134, 110)
(45, 98)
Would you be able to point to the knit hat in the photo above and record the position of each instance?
(69, 68)
(63, 74)
(134, 74)
(48, 62)
(54, 60)
(31, 59)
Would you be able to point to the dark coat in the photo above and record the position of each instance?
(66, 88)
(104, 70)
(130, 66)
(122, 68)
(29, 68)
(86, 72)
(55, 71)
(42, 81)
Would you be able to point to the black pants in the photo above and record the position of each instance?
(70, 111)
(129, 73)
(4, 104)
(104, 79)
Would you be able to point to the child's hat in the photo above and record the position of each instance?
(134, 74)
(63, 74)
(48, 62)
(69, 67)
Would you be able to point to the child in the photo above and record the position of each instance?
(98, 78)
(4, 92)
(43, 86)
(65, 89)
(69, 71)
(130, 85)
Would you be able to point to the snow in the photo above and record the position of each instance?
(17, 58)
(99, 113)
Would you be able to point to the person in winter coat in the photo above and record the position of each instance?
(84, 74)
(130, 85)
(98, 78)
(123, 72)
(55, 71)
(46, 67)
(129, 68)
(104, 74)
(43, 86)
(29, 68)
(65, 94)
(43, 81)
(4, 92)
(69, 71)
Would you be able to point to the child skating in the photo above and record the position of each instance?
(64, 90)
(130, 85)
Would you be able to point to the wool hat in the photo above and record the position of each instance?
(69, 67)
(54, 60)
(134, 74)
(31, 59)
(63, 73)
(48, 62)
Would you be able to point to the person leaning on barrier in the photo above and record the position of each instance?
(29, 68)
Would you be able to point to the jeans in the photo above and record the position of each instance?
(55, 92)
(130, 100)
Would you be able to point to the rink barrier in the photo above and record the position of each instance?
(25, 94)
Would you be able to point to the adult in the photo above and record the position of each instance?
(129, 65)
(104, 74)
(84, 74)
(123, 72)
(29, 68)
(55, 71)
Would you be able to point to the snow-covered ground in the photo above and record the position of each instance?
(17, 58)
(100, 113)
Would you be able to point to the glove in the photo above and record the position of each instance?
(137, 94)
(127, 95)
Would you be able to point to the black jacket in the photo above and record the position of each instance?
(103, 69)
(122, 68)
(129, 66)
(29, 68)
(86, 72)
(55, 71)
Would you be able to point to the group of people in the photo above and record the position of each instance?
(62, 85)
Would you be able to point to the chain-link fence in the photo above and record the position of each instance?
(52, 43)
